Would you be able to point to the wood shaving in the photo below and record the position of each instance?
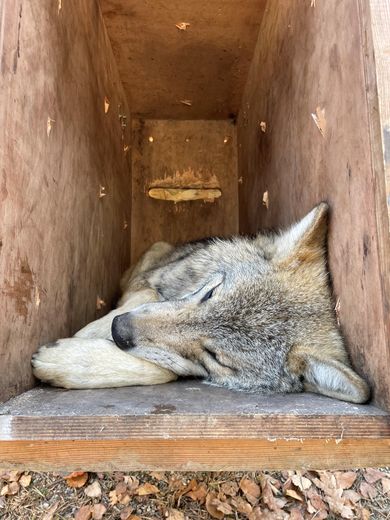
(266, 199)
(49, 125)
(59, 6)
(187, 102)
(102, 191)
(226, 140)
(240, 180)
(188, 178)
(37, 297)
(150, 139)
(263, 126)
(106, 104)
(126, 148)
(125, 224)
(319, 119)
(100, 303)
(312, 3)
(182, 26)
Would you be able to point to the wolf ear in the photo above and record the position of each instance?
(328, 377)
(305, 240)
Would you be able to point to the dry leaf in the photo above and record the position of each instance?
(84, 513)
(367, 491)
(175, 514)
(241, 505)
(268, 496)
(302, 483)
(372, 475)
(10, 489)
(351, 496)
(13, 476)
(365, 514)
(198, 493)
(98, 511)
(319, 119)
(132, 484)
(50, 512)
(230, 488)
(296, 514)
(77, 479)
(263, 126)
(293, 494)
(266, 199)
(126, 513)
(106, 104)
(345, 479)
(386, 485)
(93, 490)
(316, 500)
(187, 102)
(250, 488)
(182, 26)
(158, 476)
(25, 480)
(125, 499)
(113, 497)
(212, 510)
(147, 489)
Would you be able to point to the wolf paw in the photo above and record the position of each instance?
(52, 363)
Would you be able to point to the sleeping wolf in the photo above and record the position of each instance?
(251, 314)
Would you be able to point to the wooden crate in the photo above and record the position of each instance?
(280, 104)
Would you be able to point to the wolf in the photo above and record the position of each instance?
(247, 313)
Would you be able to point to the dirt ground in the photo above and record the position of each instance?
(361, 494)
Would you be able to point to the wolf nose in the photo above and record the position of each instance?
(121, 331)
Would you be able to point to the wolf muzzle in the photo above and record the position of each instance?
(121, 330)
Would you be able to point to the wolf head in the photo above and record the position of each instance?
(250, 314)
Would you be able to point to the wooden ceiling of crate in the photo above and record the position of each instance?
(171, 70)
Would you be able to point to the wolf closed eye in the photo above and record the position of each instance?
(251, 314)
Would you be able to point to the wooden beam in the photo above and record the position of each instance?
(184, 194)
(187, 425)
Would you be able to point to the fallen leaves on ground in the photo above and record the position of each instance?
(289, 495)
(93, 490)
(76, 479)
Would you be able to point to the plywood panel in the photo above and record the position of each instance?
(161, 65)
(63, 244)
(186, 425)
(183, 154)
(311, 58)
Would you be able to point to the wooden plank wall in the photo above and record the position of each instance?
(64, 176)
(205, 62)
(315, 58)
(182, 154)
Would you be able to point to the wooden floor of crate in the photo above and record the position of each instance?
(188, 425)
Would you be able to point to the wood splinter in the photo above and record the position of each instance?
(185, 194)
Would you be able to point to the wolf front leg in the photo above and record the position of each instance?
(94, 363)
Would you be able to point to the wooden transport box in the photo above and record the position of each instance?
(274, 105)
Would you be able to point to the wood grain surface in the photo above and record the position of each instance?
(197, 73)
(65, 187)
(182, 154)
(312, 84)
(188, 425)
